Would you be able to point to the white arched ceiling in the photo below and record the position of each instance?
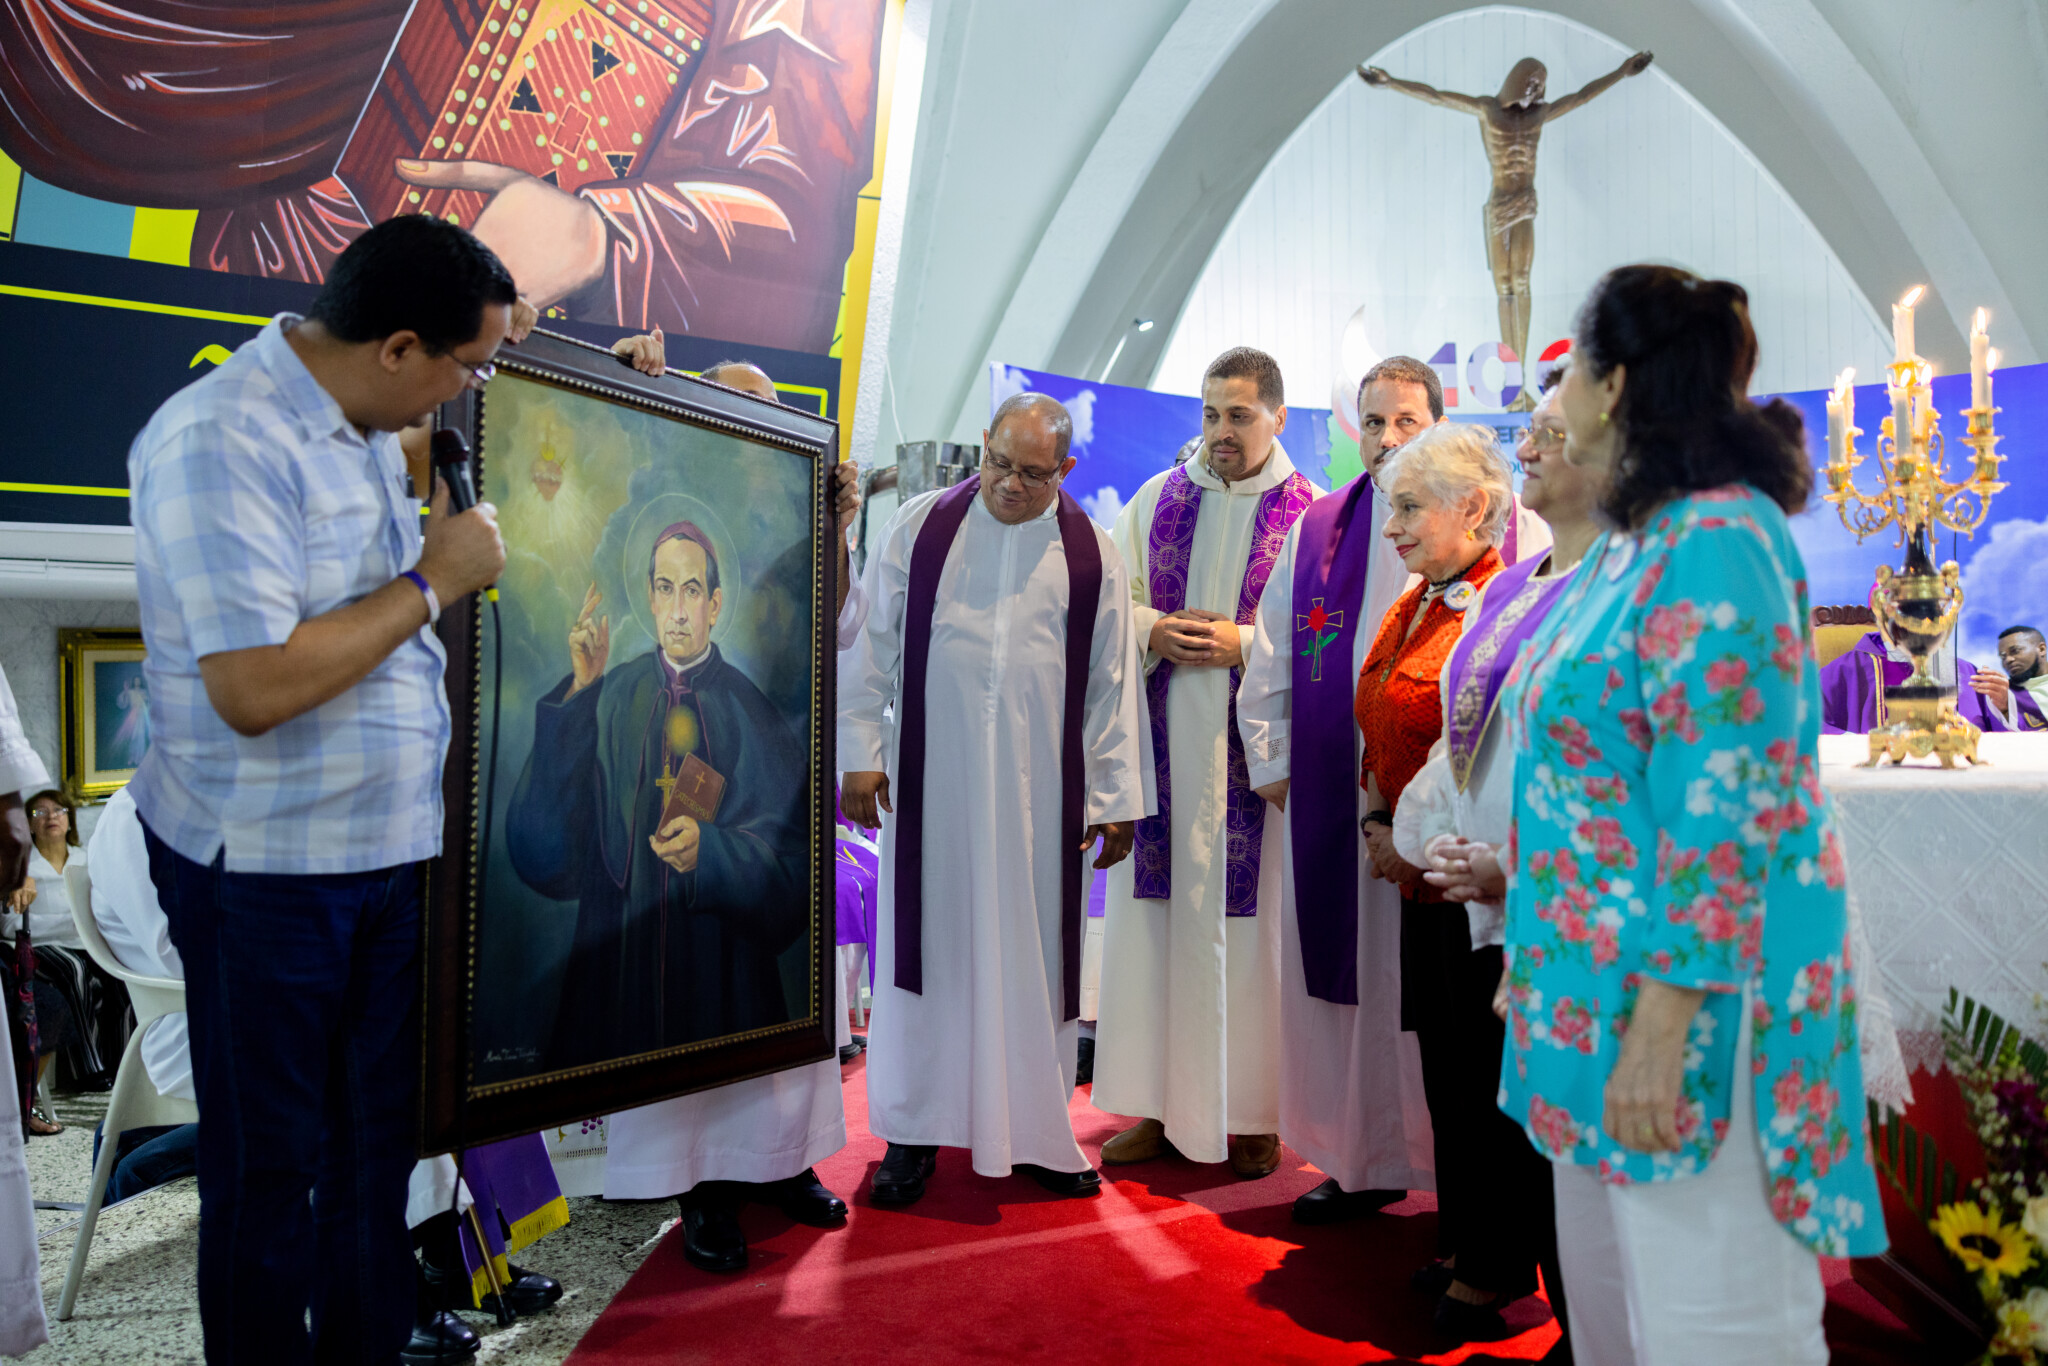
(1860, 131)
(1366, 225)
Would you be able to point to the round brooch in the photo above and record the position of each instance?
(1460, 595)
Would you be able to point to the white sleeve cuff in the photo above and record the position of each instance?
(1267, 759)
(863, 747)
(22, 769)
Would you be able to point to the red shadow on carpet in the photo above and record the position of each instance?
(1174, 1261)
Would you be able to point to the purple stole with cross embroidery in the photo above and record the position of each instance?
(1513, 607)
(1084, 594)
(1331, 553)
(1170, 548)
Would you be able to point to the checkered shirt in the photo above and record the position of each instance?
(258, 506)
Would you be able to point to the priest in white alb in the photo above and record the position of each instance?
(1000, 635)
(1189, 1032)
(1351, 1098)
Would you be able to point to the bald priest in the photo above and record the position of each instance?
(1001, 634)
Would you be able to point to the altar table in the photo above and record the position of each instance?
(1948, 876)
(1949, 871)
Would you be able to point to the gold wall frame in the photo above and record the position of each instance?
(102, 707)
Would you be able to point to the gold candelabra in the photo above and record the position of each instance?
(1917, 606)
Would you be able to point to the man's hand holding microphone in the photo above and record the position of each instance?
(462, 552)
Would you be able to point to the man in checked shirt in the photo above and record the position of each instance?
(294, 780)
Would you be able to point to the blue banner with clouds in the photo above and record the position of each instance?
(1124, 436)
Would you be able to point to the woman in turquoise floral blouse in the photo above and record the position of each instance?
(1680, 1002)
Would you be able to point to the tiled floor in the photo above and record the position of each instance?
(138, 1306)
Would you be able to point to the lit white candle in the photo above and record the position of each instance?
(1902, 417)
(1839, 419)
(1902, 324)
(1848, 383)
(1990, 364)
(1980, 367)
(1923, 403)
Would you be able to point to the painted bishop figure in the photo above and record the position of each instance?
(1189, 1037)
(1000, 632)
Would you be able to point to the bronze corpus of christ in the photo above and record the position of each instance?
(1510, 125)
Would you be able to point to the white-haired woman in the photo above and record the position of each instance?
(1449, 497)
(1455, 816)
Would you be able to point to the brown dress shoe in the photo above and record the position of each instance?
(1254, 1155)
(1141, 1142)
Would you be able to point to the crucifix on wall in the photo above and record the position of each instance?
(1510, 125)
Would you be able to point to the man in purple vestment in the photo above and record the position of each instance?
(1191, 971)
(2020, 693)
(1350, 1081)
(1852, 688)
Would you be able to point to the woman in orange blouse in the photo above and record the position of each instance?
(1450, 499)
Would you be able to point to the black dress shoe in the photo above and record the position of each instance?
(1084, 1063)
(712, 1240)
(1432, 1278)
(439, 1339)
(1070, 1184)
(1330, 1203)
(1473, 1322)
(901, 1177)
(450, 1291)
(530, 1292)
(803, 1197)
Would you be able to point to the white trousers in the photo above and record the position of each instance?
(1693, 1272)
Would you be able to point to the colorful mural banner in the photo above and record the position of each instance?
(711, 167)
(1124, 436)
(90, 345)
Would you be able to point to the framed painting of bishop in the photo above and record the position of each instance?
(637, 895)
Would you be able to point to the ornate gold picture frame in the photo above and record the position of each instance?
(635, 893)
(103, 713)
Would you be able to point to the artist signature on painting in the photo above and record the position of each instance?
(497, 1055)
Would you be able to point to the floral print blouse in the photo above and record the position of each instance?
(1670, 824)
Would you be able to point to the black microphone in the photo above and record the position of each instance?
(451, 462)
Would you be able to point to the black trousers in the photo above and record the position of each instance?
(1495, 1208)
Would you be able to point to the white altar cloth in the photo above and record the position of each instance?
(1949, 871)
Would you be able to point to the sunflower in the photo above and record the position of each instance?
(1983, 1242)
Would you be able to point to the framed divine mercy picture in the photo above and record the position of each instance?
(103, 709)
(635, 893)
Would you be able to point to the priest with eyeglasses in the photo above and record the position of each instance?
(1000, 633)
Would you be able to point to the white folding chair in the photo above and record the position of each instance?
(135, 1103)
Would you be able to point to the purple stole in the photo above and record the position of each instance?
(1084, 594)
(2027, 709)
(1509, 614)
(1322, 744)
(517, 1201)
(1170, 548)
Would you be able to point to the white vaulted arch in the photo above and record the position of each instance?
(1366, 226)
(1230, 81)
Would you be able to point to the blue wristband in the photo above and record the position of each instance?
(419, 581)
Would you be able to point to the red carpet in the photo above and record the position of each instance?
(1173, 1262)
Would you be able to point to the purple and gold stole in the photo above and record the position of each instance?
(1513, 607)
(2027, 708)
(1084, 594)
(1169, 550)
(1332, 551)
